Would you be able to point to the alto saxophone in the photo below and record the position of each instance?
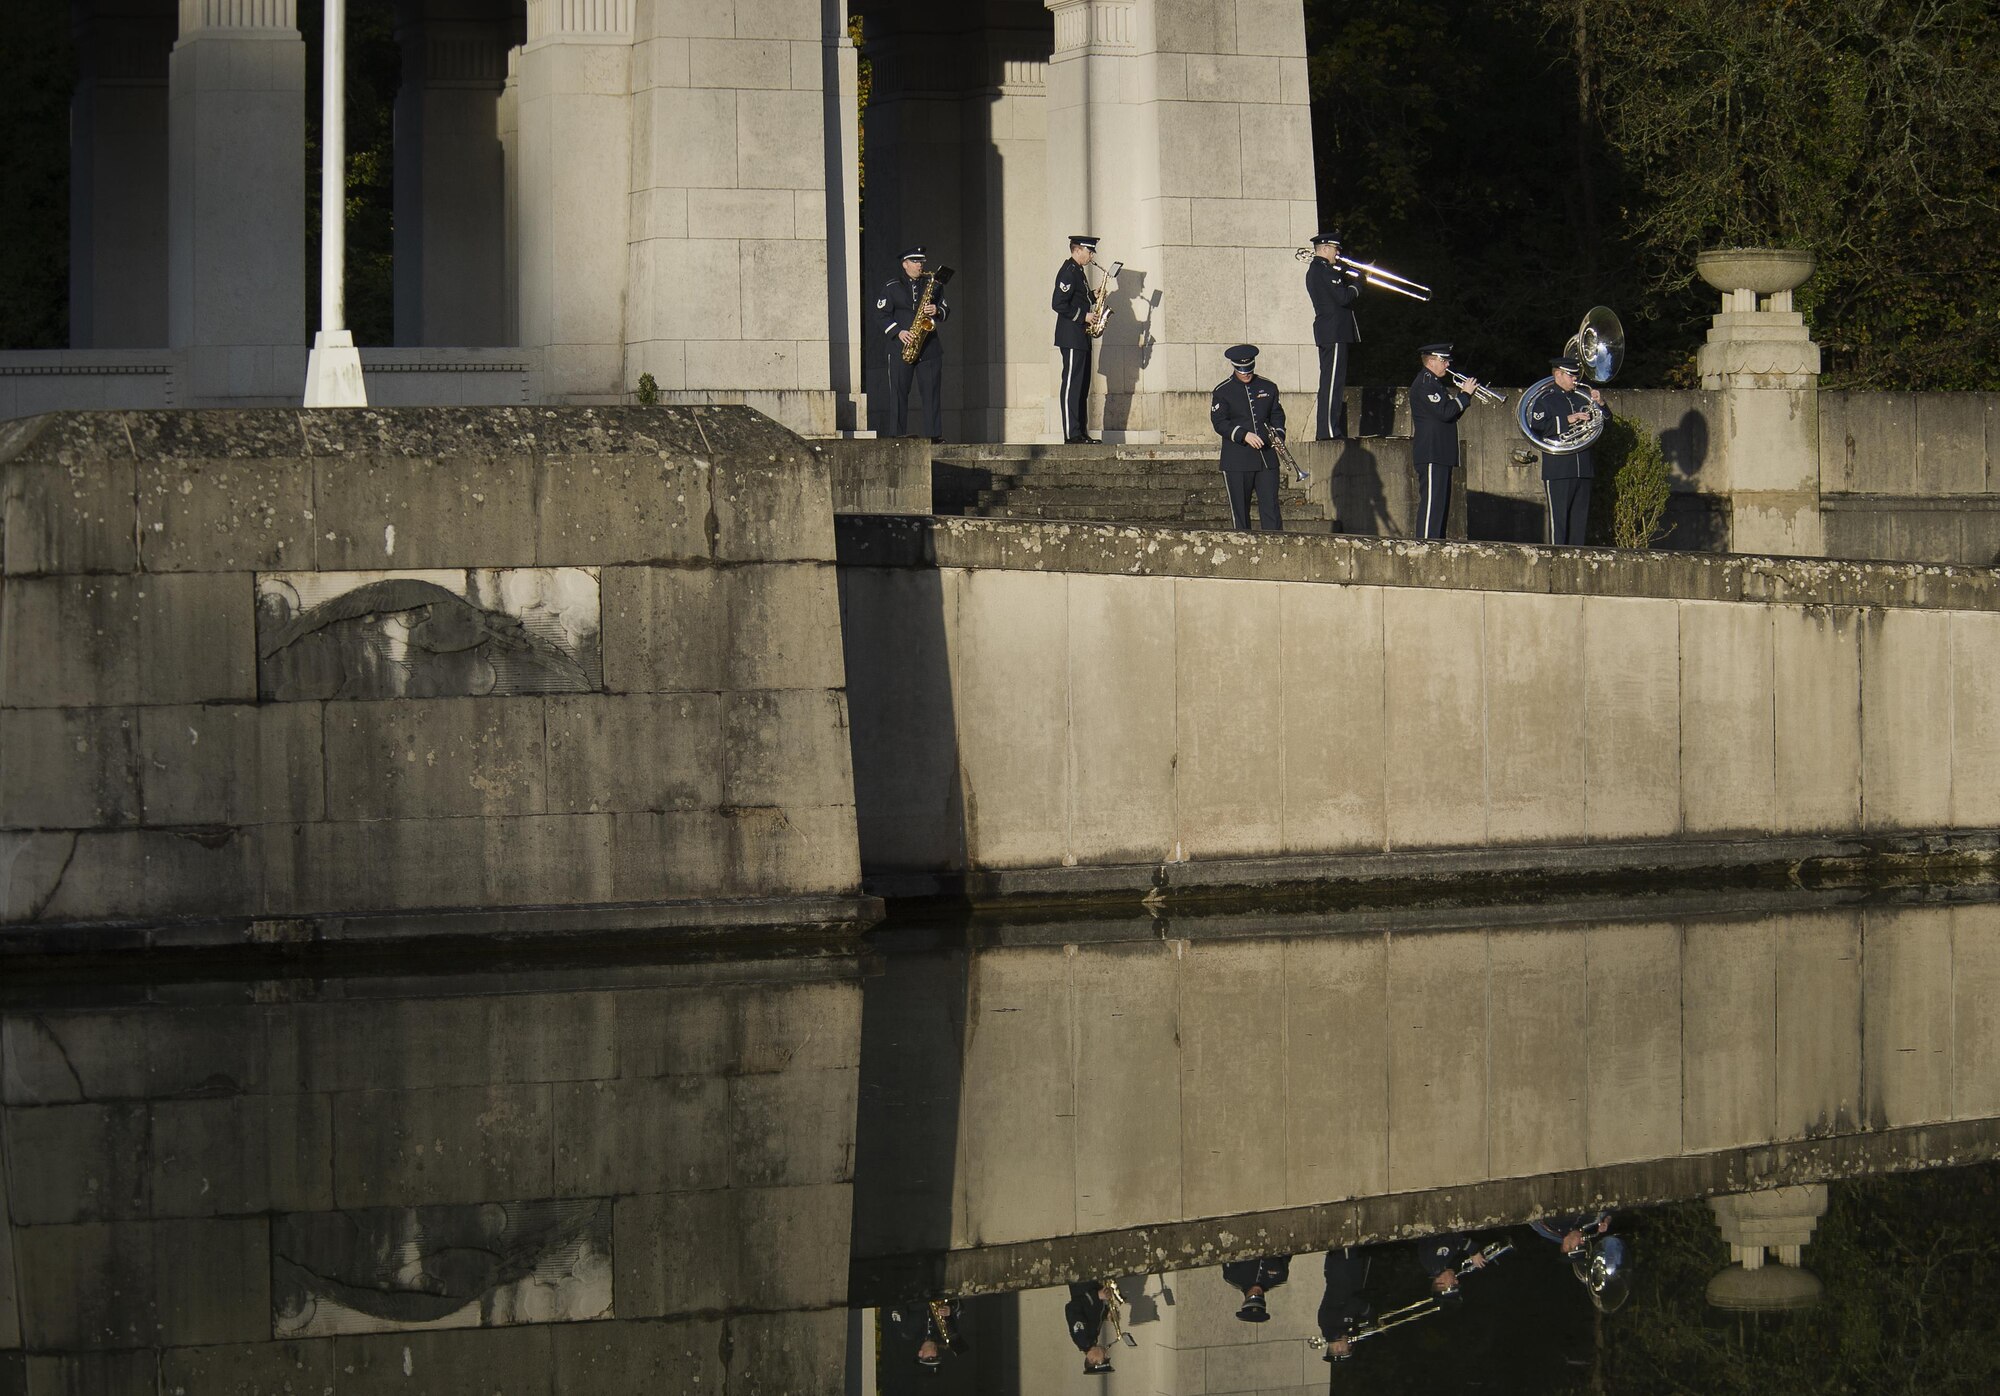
(1099, 315)
(925, 320)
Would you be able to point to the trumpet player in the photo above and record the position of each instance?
(1076, 314)
(1333, 291)
(1256, 1278)
(1437, 401)
(1247, 414)
(1088, 1303)
(1566, 476)
(896, 310)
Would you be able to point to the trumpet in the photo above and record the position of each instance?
(1381, 278)
(1482, 393)
(1114, 1308)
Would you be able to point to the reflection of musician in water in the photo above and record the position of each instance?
(1088, 1304)
(1444, 1256)
(1255, 1278)
(1342, 1310)
(1596, 1257)
(1566, 476)
(931, 1327)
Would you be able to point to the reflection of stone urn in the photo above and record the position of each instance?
(1759, 1225)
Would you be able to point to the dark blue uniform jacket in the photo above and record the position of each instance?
(1237, 409)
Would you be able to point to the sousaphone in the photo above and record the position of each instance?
(1598, 346)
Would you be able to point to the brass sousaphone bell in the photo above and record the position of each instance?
(1598, 346)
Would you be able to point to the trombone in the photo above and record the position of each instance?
(1482, 393)
(1381, 278)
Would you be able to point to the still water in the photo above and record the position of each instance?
(751, 1167)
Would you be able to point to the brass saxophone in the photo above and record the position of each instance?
(1096, 329)
(941, 1322)
(925, 320)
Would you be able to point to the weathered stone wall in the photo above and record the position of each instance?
(1911, 475)
(1077, 698)
(274, 665)
(623, 1179)
(1145, 1104)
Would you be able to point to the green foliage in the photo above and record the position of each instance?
(37, 76)
(649, 390)
(1629, 504)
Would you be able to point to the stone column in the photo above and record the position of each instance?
(1179, 130)
(118, 175)
(510, 220)
(236, 291)
(451, 200)
(1780, 1222)
(1762, 363)
(576, 169)
(728, 229)
(841, 86)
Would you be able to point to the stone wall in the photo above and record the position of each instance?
(1912, 475)
(266, 667)
(1065, 700)
(621, 1179)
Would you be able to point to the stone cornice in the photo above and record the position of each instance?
(200, 15)
(1098, 26)
(588, 21)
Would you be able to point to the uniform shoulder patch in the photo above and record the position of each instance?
(882, 304)
(1062, 285)
(1436, 398)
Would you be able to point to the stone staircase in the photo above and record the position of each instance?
(1113, 483)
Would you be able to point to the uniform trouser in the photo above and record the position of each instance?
(927, 374)
(1265, 483)
(1332, 414)
(1569, 510)
(1433, 499)
(1076, 392)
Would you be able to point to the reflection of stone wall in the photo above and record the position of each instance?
(623, 1180)
(276, 665)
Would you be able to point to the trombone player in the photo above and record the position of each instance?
(1333, 291)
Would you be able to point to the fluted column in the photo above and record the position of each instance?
(575, 182)
(118, 175)
(840, 94)
(236, 199)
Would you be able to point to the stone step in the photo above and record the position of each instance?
(1296, 520)
(1128, 507)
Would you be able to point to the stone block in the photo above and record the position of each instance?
(70, 515)
(1728, 732)
(731, 1249)
(776, 19)
(458, 1144)
(241, 1155)
(1017, 1129)
(1254, 1367)
(591, 1358)
(772, 499)
(1816, 667)
(1270, 27)
(664, 856)
(1975, 978)
(1538, 1053)
(1223, 1105)
(769, 153)
(197, 638)
(435, 758)
(684, 288)
(1009, 643)
(223, 514)
(1121, 662)
(1535, 706)
(380, 511)
(1631, 703)
(1336, 1012)
(461, 1362)
(1434, 717)
(785, 748)
(746, 366)
(234, 764)
(69, 642)
(1819, 1025)
(625, 507)
(788, 1354)
(1228, 790)
(1906, 1003)
(1975, 720)
(422, 1043)
(738, 63)
(1130, 1067)
(68, 768)
(1438, 1112)
(145, 1284)
(1194, 26)
(1906, 687)
(1330, 681)
(641, 751)
(249, 1369)
(1950, 432)
(664, 629)
(1632, 976)
(773, 852)
(1209, 305)
(54, 1058)
(1729, 1027)
(128, 874)
(740, 1030)
(86, 1374)
(784, 287)
(77, 1163)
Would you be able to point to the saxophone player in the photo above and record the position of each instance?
(1076, 317)
(896, 309)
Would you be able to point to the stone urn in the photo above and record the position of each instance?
(1743, 274)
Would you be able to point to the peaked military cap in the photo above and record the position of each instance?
(1083, 240)
(1320, 239)
(1567, 364)
(1242, 357)
(1443, 351)
(916, 254)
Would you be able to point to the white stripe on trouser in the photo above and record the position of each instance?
(1428, 493)
(1549, 489)
(1329, 392)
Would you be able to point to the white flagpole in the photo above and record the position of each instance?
(333, 372)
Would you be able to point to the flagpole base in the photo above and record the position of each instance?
(333, 372)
